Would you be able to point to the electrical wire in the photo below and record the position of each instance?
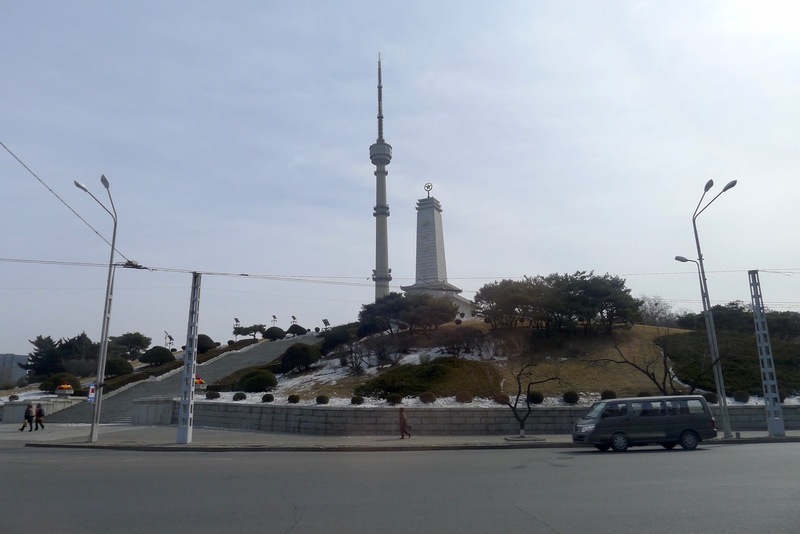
(60, 199)
(328, 280)
(345, 280)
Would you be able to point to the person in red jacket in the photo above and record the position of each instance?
(39, 417)
(404, 426)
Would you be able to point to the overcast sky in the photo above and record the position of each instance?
(558, 136)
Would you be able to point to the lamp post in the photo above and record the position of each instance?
(716, 365)
(101, 359)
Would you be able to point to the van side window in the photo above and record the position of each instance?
(695, 406)
(648, 408)
(615, 409)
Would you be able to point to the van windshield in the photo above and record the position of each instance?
(596, 410)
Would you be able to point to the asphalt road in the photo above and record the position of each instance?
(717, 488)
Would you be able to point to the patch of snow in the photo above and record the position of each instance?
(331, 372)
(408, 402)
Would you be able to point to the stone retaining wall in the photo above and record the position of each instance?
(351, 421)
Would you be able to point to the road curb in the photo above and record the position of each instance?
(531, 444)
(302, 448)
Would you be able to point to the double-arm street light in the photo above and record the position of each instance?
(101, 359)
(716, 365)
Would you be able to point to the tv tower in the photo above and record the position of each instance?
(381, 155)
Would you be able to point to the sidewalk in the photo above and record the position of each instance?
(164, 438)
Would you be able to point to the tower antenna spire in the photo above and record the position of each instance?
(380, 102)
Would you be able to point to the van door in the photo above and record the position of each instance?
(648, 421)
(614, 418)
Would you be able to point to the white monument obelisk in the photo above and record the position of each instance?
(431, 277)
(381, 155)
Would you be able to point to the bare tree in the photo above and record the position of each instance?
(354, 356)
(481, 344)
(523, 363)
(524, 372)
(652, 362)
(384, 350)
(655, 311)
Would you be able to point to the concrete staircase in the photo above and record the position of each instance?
(117, 405)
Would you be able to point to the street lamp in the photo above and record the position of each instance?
(716, 365)
(101, 359)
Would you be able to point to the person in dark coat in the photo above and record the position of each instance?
(28, 419)
(39, 417)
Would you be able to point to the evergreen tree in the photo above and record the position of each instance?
(45, 360)
(132, 344)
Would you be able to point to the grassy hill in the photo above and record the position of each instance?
(739, 356)
(580, 362)
(586, 364)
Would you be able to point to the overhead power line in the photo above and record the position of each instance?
(349, 281)
(59, 198)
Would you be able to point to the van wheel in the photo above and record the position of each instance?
(669, 445)
(689, 440)
(602, 448)
(619, 442)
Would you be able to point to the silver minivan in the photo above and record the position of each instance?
(667, 421)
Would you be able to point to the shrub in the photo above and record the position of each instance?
(296, 330)
(463, 397)
(118, 367)
(710, 397)
(293, 399)
(12, 398)
(268, 397)
(570, 397)
(535, 397)
(322, 399)
(458, 321)
(205, 344)
(255, 381)
(427, 397)
(357, 400)
(231, 342)
(273, 333)
(502, 399)
(60, 378)
(394, 398)
(299, 356)
(608, 394)
(643, 394)
(741, 396)
(333, 338)
(446, 376)
(239, 396)
(157, 355)
(211, 395)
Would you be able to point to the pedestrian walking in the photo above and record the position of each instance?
(39, 417)
(404, 426)
(28, 419)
